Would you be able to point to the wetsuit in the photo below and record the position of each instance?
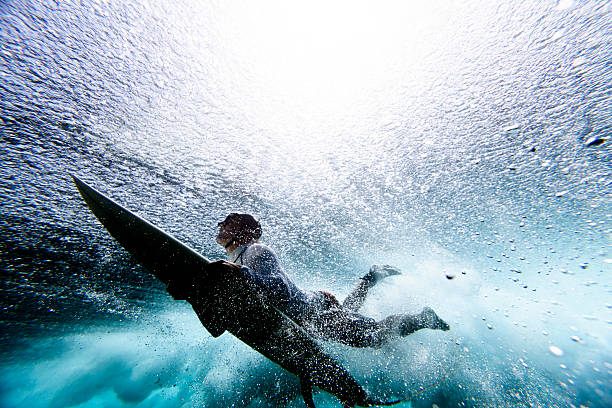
(262, 264)
(318, 312)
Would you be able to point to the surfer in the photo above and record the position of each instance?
(318, 312)
(224, 297)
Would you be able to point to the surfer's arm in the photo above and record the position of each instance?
(184, 287)
(264, 282)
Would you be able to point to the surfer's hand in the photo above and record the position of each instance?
(222, 267)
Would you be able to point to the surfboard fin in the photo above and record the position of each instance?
(306, 386)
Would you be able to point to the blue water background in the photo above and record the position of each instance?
(468, 140)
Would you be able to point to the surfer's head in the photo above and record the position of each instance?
(238, 229)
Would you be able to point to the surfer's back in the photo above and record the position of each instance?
(274, 282)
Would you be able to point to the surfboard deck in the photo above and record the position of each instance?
(226, 301)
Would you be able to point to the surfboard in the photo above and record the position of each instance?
(227, 301)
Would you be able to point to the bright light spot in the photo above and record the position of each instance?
(579, 61)
(313, 62)
(329, 51)
(565, 4)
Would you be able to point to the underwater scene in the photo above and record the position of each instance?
(467, 143)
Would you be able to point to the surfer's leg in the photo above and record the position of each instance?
(353, 329)
(355, 299)
(361, 331)
(356, 330)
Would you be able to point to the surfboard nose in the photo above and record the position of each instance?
(81, 186)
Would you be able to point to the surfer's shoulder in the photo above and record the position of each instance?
(260, 251)
(259, 248)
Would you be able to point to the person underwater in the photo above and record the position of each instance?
(255, 300)
(318, 312)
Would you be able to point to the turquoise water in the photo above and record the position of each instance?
(463, 140)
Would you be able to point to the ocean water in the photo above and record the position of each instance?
(467, 143)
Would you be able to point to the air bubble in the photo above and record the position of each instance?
(556, 351)
(595, 141)
(514, 128)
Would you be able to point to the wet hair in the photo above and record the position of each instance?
(250, 227)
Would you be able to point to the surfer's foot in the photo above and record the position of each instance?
(380, 272)
(427, 319)
(432, 321)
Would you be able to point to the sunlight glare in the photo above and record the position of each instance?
(318, 57)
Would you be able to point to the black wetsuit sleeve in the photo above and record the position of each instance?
(268, 277)
(270, 285)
